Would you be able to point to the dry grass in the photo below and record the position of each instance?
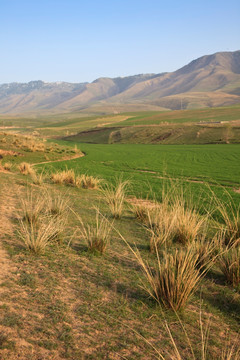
(7, 166)
(32, 207)
(87, 182)
(26, 168)
(228, 350)
(66, 177)
(229, 263)
(206, 250)
(161, 225)
(38, 178)
(97, 235)
(37, 235)
(188, 223)
(43, 218)
(230, 217)
(115, 196)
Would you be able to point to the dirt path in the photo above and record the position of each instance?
(7, 207)
(77, 156)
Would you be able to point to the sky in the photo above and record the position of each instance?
(79, 41)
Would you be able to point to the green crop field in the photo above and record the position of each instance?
(145, 165)
(83, 275)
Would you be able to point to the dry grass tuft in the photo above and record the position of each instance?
(38, 178)
(115, 196)
(37, 235)
(87, 182)
(97, 235)
(174, 278)
(32, 207)
(188, 223)
(230, 217)
(26, 168)
(161, 225)
(229, 263)
(43, 219)
(66, 177)
(7, 166)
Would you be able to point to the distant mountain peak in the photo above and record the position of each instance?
(211, 80)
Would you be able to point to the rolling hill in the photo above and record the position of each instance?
(209, 81)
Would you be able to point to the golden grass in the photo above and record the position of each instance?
(97, 235)
(43, 218)
(87, 182)
(7, 166)
(229, 263)
(38, 178)
(115, 196)
(161, 225)
(26, 168)
(66, 177)
(188, 223)
(37, 235)
(230, 217)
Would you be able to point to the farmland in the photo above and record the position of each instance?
(68, 298)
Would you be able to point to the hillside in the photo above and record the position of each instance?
(209, 81)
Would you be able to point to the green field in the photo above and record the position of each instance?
(69, 301)
(144, 165)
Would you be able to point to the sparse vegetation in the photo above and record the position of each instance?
(26, 168)
(174, 278)
(229, 263)
(54, 300)
(115, 196)
(97, 235)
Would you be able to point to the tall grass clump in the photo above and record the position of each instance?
(173, 279)
(32, 207)
(38, 178)
(161, 225)
(36, 236)
(206, 250)
(43, 218)
(229, 214)
(188, 223)
(7, 166)
(229, 263)
(115, 196)
(66, 177)
(96, 235)
(87, 182)
(26, 168)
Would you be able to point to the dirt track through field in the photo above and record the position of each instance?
(77, 156)
(7, 207)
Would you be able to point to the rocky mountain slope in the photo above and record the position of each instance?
(211, 80)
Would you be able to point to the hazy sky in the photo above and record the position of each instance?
(77, 41)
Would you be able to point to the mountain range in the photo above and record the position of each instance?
(209, 81)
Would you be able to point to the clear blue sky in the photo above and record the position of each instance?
(76, 41)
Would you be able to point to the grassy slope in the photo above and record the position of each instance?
(71, 304)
